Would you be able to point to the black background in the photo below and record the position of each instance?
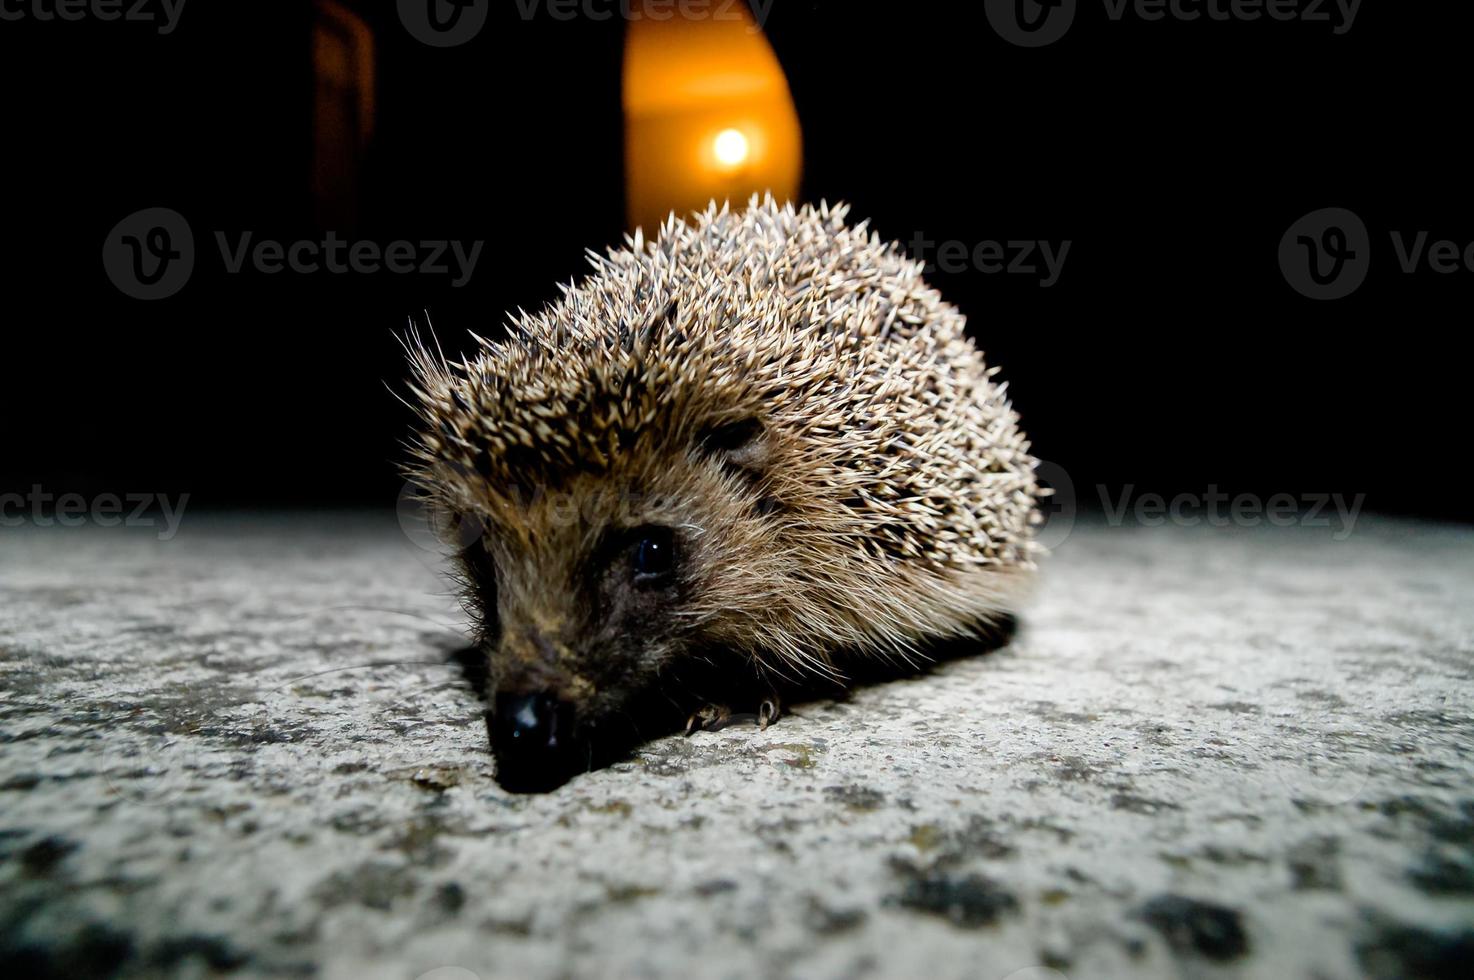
(1171, 355)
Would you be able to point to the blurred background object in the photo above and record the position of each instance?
(708, 116)
(1170, 354)
(343, 114)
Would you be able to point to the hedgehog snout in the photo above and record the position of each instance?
(535, 740)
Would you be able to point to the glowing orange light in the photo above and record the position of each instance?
(708, 115)
(731, 148)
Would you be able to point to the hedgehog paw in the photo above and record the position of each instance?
(769, 711)
(710, 718)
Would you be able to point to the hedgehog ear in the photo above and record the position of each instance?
(741, 444)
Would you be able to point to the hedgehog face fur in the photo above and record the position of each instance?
(748, 451)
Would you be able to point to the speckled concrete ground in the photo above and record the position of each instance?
(1208, 753)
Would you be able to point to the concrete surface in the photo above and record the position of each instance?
(1210, 752)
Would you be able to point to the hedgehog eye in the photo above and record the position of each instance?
(653, 556)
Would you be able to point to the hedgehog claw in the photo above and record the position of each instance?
(768, 712)
(710, 718)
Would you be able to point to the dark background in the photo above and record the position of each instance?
(1171, 355)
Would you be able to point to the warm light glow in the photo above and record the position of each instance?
(708, 116)
(343, 112)
(731, 148)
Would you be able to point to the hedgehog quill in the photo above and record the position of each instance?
(751, 453)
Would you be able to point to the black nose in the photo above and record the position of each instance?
(532, 721)
(533, 738)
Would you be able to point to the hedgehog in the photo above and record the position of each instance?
(751, 453)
